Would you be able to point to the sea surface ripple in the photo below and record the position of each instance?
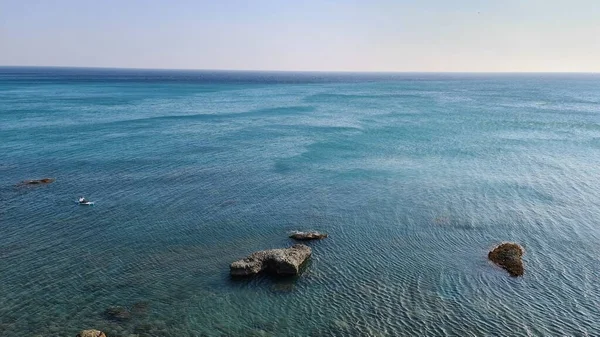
(414, 176)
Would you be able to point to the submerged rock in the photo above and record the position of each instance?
(508, 256)
(39, 181)
(117, 313)
(91, 333)
(308, 235)
(140, 308)
(151, 329)
(286, 261)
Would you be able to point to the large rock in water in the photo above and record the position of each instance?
(286, 261)
(508, 256)
(91, 333)
(308, 235)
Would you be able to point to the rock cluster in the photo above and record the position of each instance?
(286, 261)
(308, 235)
(508, 256)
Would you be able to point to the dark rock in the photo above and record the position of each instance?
(117, 313)
(508, 256)
(39, 181)
(140, 308)
(91, 333)
(286, 261)
(308, 235)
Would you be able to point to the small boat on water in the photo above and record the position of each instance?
(83, 202)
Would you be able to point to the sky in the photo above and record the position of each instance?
(310, 35)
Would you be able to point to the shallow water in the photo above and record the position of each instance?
(414, 176)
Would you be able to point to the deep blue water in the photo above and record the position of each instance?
(414, 176)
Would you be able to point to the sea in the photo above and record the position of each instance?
(414, 176)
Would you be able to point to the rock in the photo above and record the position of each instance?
(117, 313)
(286, 261)
(140, 308)
(308, 235)
(508, 256)
(39, 181)
(91, 333)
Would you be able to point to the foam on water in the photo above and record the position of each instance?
(415, 177)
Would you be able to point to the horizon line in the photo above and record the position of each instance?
(302, 71)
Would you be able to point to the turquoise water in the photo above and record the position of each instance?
(414, 176)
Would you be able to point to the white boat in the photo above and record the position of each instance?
(84, 203)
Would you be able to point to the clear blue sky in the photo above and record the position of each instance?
(378, 35)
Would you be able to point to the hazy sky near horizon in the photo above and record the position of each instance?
(378, 35)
